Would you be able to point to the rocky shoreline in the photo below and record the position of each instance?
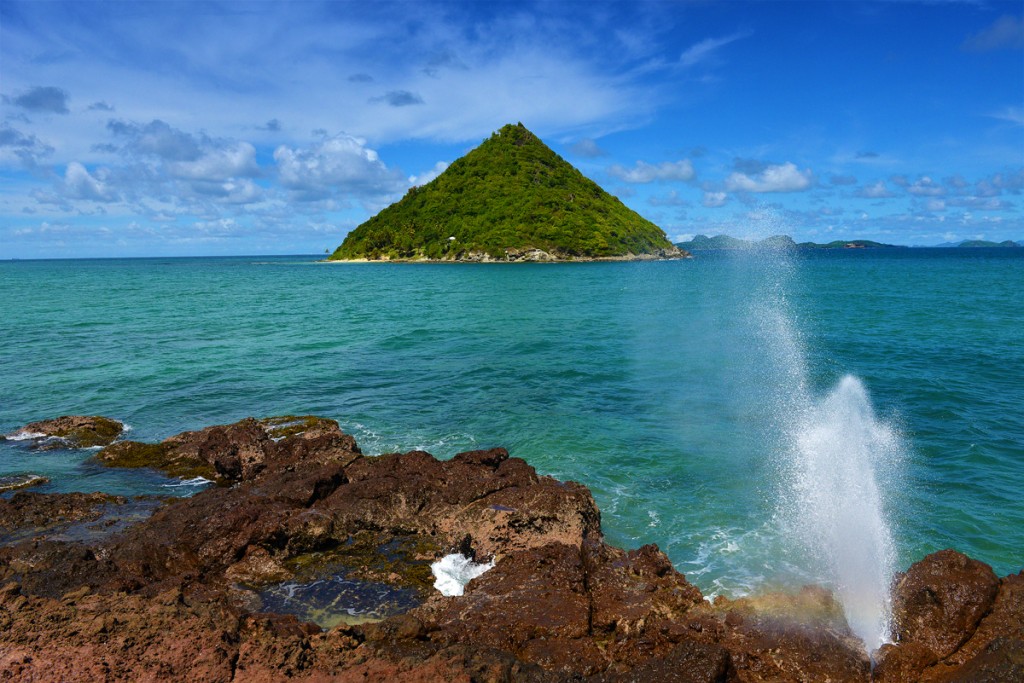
(530, 256)
(185, 590)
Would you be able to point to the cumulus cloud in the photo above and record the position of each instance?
(925, 187)
(776, 178)
(671, 199)
(232, 160)
(157, 138)
(399, 98)
(424, 178)
(587, 148)
(20, 148)
(46, 99)
(80, 184)
(713, 200)
(1006, 33)
(341, 164)
(643, 172)
(877, 190)
(705, 49)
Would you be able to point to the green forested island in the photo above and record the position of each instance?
(510, 199)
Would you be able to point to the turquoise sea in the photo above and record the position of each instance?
(666, 387)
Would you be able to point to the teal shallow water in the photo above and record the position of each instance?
(652, 383)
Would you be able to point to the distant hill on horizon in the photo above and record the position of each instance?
(703, 242)
(700, 242)
(971, 244)
(510, 199)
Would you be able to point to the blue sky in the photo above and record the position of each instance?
(189, 128)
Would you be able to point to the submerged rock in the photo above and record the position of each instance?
(69, 431)
(225, 585)
(13, 482)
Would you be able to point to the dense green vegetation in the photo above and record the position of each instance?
(509, 195)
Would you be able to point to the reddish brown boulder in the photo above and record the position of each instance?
(939, 602)
(69, 431)
(238, 451)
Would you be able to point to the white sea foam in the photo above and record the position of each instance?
(25, 436)
(453, 572)
(195, 481)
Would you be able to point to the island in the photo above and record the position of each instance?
(510, 199)
(701, 242)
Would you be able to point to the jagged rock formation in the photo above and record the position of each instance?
(182, 595)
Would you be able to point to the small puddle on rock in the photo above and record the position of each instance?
(337, 599)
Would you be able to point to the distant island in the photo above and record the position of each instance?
(972, 244)
(702, 242)
(510, 199)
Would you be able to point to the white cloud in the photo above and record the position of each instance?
(776, 178)
(643, 172)
(705, 49)
(876, 190)
(1006, 33)
(80, 184)
(424, 178)
(713, 200)
(587, 148)
(1012, 114)
(341, 164)
(926, 187)
(237, 159)
(18, 148)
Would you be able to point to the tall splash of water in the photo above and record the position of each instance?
(835, 457)
(837, 449)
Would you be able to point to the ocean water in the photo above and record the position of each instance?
(684, 394)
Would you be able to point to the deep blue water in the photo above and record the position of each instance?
(658, 384)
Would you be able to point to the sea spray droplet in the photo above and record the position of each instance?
(453, 572)
(831, 452)
(839, 449)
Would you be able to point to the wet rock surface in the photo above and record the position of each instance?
(69, 431)
(195, 591)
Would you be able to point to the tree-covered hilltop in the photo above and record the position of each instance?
(510, 198)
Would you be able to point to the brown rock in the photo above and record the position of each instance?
(902, 662)
(71, 431)
(38, 513)
(169, 598)
(940, 600)
(689, 662)
(1002, 661)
